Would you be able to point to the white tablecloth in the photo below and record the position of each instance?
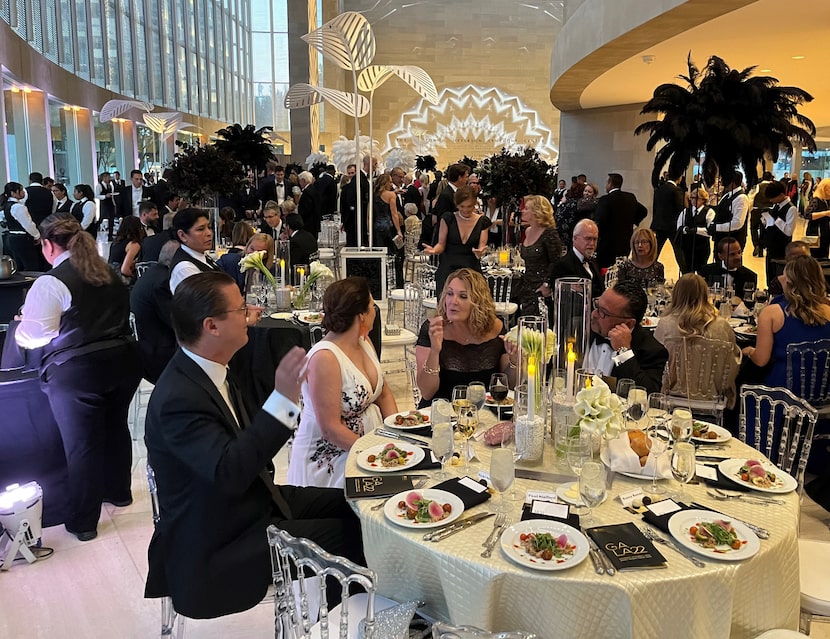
(724, 599)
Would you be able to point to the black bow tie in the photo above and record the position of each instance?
(596, 338)
(280, 184)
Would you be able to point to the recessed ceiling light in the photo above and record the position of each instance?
(799, 57)
(765, 70)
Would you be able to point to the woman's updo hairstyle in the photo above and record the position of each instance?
(343, 301)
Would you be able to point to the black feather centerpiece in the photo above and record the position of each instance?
(425, 163)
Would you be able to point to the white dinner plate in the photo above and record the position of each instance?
(283, 316)
(390, 420)
(398, 516)
(680, 523)
(746, 329)
(413, 459)
(723, 435)
(511, 544)
(784, 483)
(488, 401)
(650, 322)
(563, 492)
(603, 455)
(735, 322)
(307, 317)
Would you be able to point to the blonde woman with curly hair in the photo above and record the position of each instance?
(802, 314)
(642, 266)
(819, 215)
(540, 248)
(463, 342)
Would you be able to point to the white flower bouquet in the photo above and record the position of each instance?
(255, 261)
(599, 410)
(532, 342)
(316, 270)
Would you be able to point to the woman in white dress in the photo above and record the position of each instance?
(344, 395)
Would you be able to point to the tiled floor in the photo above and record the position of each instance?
(95, 589)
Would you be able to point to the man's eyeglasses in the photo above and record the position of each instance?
(642, 242)
(602, 313)
(244, 309)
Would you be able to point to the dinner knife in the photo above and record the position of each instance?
(406, 438)
(603, 558)
(680, 550)
(461, 525)
(432, 533)
(593, 551)
(762, 533)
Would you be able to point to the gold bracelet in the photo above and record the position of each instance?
(430, 371)
(511, 364)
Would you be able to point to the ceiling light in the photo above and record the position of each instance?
(765, 70)
(799, 57)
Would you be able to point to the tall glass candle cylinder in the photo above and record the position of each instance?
(283, 259)
(530, 406)
(572, 327)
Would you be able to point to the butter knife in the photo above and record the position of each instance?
(593, 551)
(405, 438)
(458, 526)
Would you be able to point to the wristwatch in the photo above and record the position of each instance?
(621, 350)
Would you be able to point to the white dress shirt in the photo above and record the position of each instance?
(20, 213)
(46, 302)
(88, 213)
(787, 225)
(277, 405)
(137, 195)
(185, 268)
(740, 209)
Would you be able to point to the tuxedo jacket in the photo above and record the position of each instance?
(209, 551)
(646, 367)
(348, 209)
(714, 273)
(301, 244)
(326, 187)
(150, 300)
(125, 199)
(569, 265)
(616, 215)
(667, 204)
(309, 209)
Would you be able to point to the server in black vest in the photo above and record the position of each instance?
(78, 313)
(105, 193)
(732, 212)
(692, 237)
(780, 224)
(62, 202)
(192, 228)
(22, 236)
(39, 199)
(84, 208)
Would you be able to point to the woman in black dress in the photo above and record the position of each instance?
(125, 251)
(540, 249)
(462, 238)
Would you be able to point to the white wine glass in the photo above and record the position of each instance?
(459, 398)
(466, 425)
(577, 452)
(477, 394)
(443, 444)
(502, 474)
(658, 409)
(592, 488)
(659, 445)
(682, 466)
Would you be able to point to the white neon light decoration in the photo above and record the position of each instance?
(486, 114)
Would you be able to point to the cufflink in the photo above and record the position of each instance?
(291, 413)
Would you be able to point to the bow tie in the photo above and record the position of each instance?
(279, 184)
(596, 338)
(589, 260)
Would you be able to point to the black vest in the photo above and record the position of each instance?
(182, 256)
(723, 213)
(774, 238)
(695, 219)
(66, 207)
(11, 223)
(97, 318)
(39, 202)
(78, 211)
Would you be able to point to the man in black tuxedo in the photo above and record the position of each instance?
(728, 269)
(578, 261)
(271, 221)
(326, 187)
(161, 190)
(309, 204)
(129, 197)
(349, 210)
(150, 303)
(616, 215)
(301, 243)
(668, 201)
(62, 202)
(620, 347)
(211, 452)
(273, 186)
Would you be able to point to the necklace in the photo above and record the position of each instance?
(464, 217)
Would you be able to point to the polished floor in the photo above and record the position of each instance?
(95, 589)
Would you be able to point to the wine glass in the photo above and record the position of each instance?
(466, 424)
(637, 403)
(498, 390)
(592, 488)
(577, 452)
(476, 393)
(442, 445)
(441, 418)
(682, 465)
(502, 473)
(659, 445)
(459, 398)
(624, 386)
(658, 409)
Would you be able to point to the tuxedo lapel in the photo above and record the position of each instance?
(194, 373)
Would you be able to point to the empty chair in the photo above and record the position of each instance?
(410, 248)
(808, 376)
(441, 630)
(407, 337)
(314, 569)
(792, 420)
(813, 559)
(700, 374)
(500, 288)
(425, 279)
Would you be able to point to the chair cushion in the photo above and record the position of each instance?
(357, 611)
(405, 338)
(813, 559)
(430, 302)
(506, 308)
(781, 633)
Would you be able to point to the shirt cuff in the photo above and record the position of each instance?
(282, 409)
(622, 357)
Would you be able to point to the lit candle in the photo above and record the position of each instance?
(302, 276)
(571, 363)
(587, 382)
(282, 272)
(531, 387)
(504, 257)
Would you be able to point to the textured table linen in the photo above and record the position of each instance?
(724, 599)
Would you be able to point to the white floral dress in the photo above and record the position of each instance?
(314, 460)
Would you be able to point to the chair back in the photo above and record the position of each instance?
(500, 286)
(133, 326)
(700, 368)
(302, 559)
(782, 425)
(316, 333)
(425, 278)
(441, 630)
(808, 371)
(414, 312)
(154, 494)
(412, 226)
(141, 267)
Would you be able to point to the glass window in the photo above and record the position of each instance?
(262, 57)
(147, 149)
(128, 84)
(263, 105)
(67, 21)
(281, 57)
(260, 15)
(181, 62)
(83, 43)
(280, 16)
(113, 81)
(50, 41)
(105, 152)
(60, 143)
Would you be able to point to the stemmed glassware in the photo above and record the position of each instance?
(443, 441)
(682, 465)
(637, 403)
(659, 445)
(592, 488)
(658, 409)
(477, 394)
(498, 390)
(578, 448)
(502, 473)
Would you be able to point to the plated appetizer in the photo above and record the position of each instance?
(390, 456)
(415, 507)
(754, 472)
(545, 546)
(719, 536)
(412, 418)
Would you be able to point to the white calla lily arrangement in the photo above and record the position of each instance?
(599, 410)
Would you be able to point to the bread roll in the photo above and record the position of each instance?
(640, 444)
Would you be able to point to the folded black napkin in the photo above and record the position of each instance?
(426, 463)
(422, 431)
(572, 519)
(467, 495)
(661, 522)
(724, 482)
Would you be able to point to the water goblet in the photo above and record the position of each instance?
(443, 445)
(592, 488)
(637, 403)
(659, 445)
(476, 393)
(578, 450)
(502, 473)
(658, 409)
(682, 466)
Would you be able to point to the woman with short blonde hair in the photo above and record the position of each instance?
(642, 265)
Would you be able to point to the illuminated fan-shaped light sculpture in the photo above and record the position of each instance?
(304, 95)
(114, 108)
(165, 124)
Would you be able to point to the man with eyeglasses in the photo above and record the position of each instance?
(210, 448)
(620, 347)
(579, 260)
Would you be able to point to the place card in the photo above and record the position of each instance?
(627, 498)
(472, 484)
(664, 507)
(540, 495)
(706, 472)
(548, 509)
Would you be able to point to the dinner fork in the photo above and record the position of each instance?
(489, 549)
(418, 484)
(498, 523)
(752, 498)
(729, 497)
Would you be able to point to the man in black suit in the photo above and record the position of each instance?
(129, 197)
(39, 202)
(271, 220)
(211, 452)
(616, 215)
(578, 261)
(666, 206)
(62, 202)
(326, 187)
(301, 243)
(161, 190)
(349, 209)
(620, 347)
(729, 270)
(150, 303)
(309, 204)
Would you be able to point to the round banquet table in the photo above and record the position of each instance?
(724, 599)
